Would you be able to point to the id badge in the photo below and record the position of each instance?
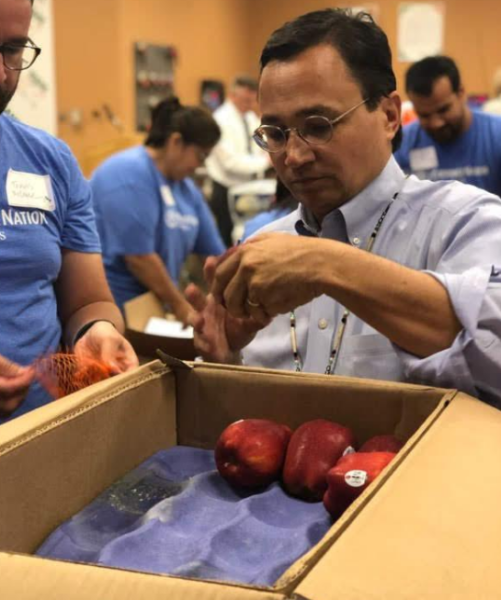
(423, 159)
(27, 190)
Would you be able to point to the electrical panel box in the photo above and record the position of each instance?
(154, 78)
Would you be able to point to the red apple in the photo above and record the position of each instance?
(250, 453)
(349, 478)
(382, 443)
(315, 447)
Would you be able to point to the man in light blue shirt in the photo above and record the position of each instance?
(376, 274)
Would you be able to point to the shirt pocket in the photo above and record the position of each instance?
(369, 356)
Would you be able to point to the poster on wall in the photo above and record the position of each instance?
(35, 99)
(420, 30)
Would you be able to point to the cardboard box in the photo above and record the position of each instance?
(429, 527)
(137, 314)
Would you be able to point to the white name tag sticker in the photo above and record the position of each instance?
(422, 159)
(28, 190)
(167, 196)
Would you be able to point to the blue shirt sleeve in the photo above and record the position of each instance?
(79, 232)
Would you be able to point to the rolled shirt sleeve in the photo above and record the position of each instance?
(473, 362)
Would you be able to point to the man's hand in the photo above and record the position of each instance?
(218, 336)
(14, 383)
(103, 342)
(268, 275)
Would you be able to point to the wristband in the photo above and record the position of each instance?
(85, 328)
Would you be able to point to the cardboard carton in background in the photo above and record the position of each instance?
(137, 314)
(429, 527)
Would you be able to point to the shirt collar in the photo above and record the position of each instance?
(362, 212)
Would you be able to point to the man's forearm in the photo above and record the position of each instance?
(409, 307)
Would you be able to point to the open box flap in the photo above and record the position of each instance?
(35, 422)
(215, 395)
(138, 312)
(32, 578)
(433, 531)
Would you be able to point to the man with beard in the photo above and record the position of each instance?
(449, 140)
(52, 283)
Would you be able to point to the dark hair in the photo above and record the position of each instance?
(246, 81)
(421, 76)
(196, 125)
(362, 44)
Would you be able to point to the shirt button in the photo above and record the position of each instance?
(356, 241)
(323, 324)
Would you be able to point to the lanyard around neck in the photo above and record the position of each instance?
(338, 338)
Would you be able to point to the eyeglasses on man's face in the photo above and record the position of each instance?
(17, 57)
(316, 130)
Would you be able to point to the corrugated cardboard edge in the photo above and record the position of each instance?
(72, 406)
(296, 573)
(176, 363)
(127, 583)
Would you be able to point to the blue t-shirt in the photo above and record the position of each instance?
(38, 217)
(262, 219)
(475, 157)
(139, 211)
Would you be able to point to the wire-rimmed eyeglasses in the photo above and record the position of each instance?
(17, 57)
(316, 130)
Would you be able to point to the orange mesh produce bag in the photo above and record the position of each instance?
(62, 374)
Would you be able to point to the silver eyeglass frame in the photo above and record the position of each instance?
(286, 132)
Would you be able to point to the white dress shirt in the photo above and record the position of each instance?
(231, 163)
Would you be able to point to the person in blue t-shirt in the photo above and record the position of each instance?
(449, 140)
(52, 282)
(150, 215)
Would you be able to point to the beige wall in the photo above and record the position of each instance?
(94, 48)
(472, 35)
(211, 37)
(215, 39)
(87, 55)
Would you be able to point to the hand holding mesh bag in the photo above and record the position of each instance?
(62, 374)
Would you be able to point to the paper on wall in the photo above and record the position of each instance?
(420, 30)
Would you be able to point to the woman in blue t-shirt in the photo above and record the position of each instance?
(150, 214)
